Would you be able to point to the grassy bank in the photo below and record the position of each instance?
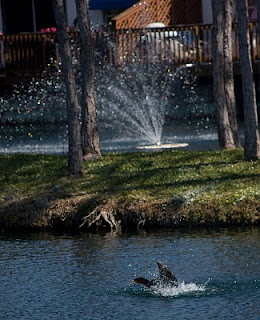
(129, 190)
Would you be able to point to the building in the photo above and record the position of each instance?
(186, 38)
(18, 16)
(33, 15)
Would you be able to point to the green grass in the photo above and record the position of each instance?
(192, 178)
(164, 175)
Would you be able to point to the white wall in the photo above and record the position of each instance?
(96, 18)
(206, 12)
(71, 12)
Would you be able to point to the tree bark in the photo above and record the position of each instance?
(90, 139)
(258, 14)
(224, 94)
(75, 158)
(252, 142)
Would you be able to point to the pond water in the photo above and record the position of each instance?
(52, 139)
(87, 276)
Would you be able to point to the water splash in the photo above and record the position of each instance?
(182, 288)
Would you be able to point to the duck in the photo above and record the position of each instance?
(165, 278)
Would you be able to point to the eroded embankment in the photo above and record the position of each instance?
(74, 214)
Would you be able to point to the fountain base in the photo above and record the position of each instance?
(163, 146)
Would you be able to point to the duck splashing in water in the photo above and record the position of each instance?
(165, 278)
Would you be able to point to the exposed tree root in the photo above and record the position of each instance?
(101, 212)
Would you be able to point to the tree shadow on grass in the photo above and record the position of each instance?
(113, 177)
(136, 172)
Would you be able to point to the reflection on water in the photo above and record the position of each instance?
(87, 276)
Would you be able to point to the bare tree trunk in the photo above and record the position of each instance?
(228, 72)
(258, 14)
(252, 142)
(90, 139)
(224, 94)
(75, 158)
(258, 30)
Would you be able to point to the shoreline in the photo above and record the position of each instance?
(126, 219)
(44, 214)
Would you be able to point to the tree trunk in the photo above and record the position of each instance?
(90, 139)
(224, 94)
(252, 142)
(258, 14)
(75, 159)
(228, 72)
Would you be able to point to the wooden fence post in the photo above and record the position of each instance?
(198, 47)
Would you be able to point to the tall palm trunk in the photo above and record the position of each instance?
(90, 139)
(224, 94)
(252, 142)
(75, 158)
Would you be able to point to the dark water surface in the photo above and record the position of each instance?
(87, 276)
(52, 139)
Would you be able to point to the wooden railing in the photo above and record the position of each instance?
(24, 52)
(31, 53)
(177, 45)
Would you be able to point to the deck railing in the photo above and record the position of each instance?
(24, 53)
(32, 52)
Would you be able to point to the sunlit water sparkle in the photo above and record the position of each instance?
(134, 104)
(86, 276)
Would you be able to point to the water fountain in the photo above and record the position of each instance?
(134, 100)
(136, 105)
